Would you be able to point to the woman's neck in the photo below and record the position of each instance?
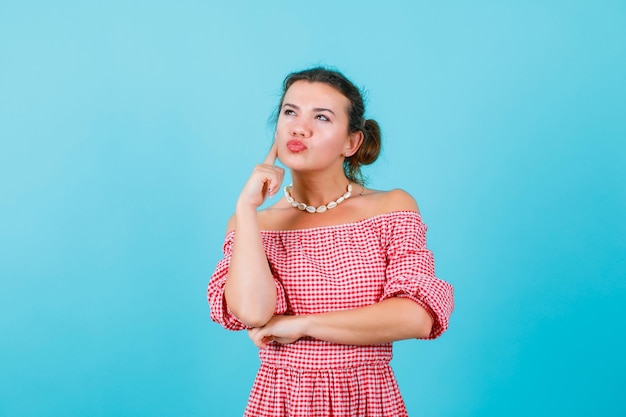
(318, 191)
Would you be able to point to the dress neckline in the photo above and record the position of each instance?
(342, 225)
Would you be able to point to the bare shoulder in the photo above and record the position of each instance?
(396, 200)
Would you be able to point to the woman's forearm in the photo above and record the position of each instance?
(388, 321)
(250, 290)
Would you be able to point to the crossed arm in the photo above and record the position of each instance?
(387, 321)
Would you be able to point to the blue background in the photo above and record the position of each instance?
(127, 130)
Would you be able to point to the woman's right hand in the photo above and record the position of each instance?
(264, 182)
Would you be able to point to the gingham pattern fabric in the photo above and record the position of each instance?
(335, 268)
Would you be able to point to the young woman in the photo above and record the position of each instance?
(333, 273)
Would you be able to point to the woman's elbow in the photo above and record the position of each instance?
(253, 317)
(424, 327)
(253, 310)
(256, 321)
(422, 323)
(413, 320)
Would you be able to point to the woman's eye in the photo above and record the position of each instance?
(289, 112)
(323, 118)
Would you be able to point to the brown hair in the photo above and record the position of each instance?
(370, 148)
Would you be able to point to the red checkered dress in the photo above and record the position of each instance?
(334, 268)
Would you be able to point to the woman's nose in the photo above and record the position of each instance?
(300, 128)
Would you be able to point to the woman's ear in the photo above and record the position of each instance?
(353, 143)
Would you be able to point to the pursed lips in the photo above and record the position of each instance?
(296, 146)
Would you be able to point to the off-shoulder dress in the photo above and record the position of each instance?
(335, 268)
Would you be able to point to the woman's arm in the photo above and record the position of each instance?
(387, 321)
(250, 290)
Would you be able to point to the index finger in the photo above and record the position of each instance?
(272, 155)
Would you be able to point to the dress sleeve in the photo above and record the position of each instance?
(220, 313)
(411, 273)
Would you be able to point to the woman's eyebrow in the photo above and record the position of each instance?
(316, 109)
(323, 109)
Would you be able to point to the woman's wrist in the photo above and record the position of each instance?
(245, 209)
(305, 324)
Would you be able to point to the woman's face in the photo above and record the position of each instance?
(312, 127)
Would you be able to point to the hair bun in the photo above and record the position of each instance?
(370, 148)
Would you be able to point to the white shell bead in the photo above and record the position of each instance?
(310, 209)
(330, 205)
(321, 209)
(301, 206)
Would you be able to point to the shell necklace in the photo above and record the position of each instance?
(320, 209)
